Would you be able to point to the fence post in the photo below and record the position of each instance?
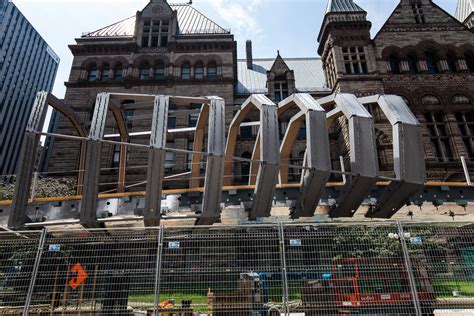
(409, 268)
(159, 253)
(284, 276)
(34, 273)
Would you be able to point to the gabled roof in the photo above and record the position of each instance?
(190, 21)
(343, 6)
(464, 9)
(309, 75)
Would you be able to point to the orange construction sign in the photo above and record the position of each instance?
(80, 278)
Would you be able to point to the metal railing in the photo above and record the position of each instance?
(286, 269)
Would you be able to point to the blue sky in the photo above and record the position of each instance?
(290, 26)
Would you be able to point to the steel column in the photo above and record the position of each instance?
(88, 214)
(156, 161)
(267, 177)
(408, 155)
(213, 183)
(363, 152)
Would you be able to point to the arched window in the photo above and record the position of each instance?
(118, 72)
(451, 60)
(186, 71)
(432, 63)
(212, 70)
(394, 64)
(470, 61)
(145, 72)
(105, 73)
(460, 99)
(92, 73)
(160, 71)
(412, 64)
(199, 71)
(245, 167)
(430, 99)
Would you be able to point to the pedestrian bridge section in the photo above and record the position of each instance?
(211, 182)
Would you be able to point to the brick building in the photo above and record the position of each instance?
(421, 53)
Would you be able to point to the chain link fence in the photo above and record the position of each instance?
(285, 269)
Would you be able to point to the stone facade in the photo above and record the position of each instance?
(130, 57)
(422, 54)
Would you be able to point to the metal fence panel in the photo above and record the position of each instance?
(350, 269)
(222, 271)
(18, 252)
(100, 272)
(443, 262)
(266, 270)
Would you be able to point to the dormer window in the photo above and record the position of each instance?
(281, 89)
(155, 33)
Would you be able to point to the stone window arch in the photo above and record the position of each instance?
(430, 99)
(160, 71)
(186, 71)
(432, 62)
(144, 71)
(452, 61)
(460, 99)
(105, 73)
(412, 63)
(199, 70)
(212, 70)
(118, 72)
(394, 63)
(92, 72)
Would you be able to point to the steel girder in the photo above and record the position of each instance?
(408, 155)
(363, 152)
(29, 150)
(317, 156)
(156, 161)
(268, 151)
(214, 114)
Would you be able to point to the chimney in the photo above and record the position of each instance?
(249, 55)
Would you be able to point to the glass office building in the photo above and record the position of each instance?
(27, 65)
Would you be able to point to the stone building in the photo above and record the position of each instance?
(421, 53)
(163, 49)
